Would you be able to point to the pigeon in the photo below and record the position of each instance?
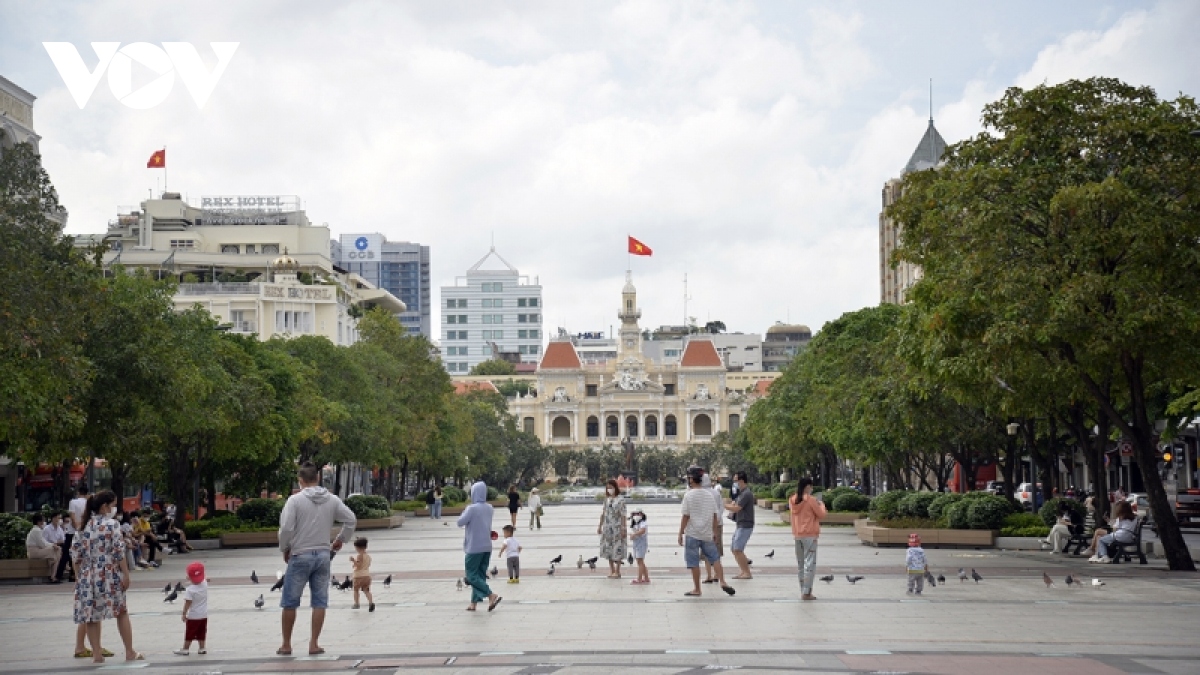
(1096, 583)
(278, 574)
(332, 581)
(171, 598)
(1047, 580)
(941, 578)
(592, 562)
(931, 580)
(460, 583)
(166, 589)
(550, 572)
(962, 575)
(253, 577)
(387, 582)
(557, 560)
(347, 584)
(493, 571)
(579, 563)
(828, 578)
(278, 585)
(178, 587)
(975, 575)
(1071, 581)
(771, 554)
(258, 604)
(854, 580)
(630, 558)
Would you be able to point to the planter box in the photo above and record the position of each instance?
(779, 507)
(395, 520)
(446, 511)
(870, 533)
(1021, 543)
(842, 518)
(204, 544)
(24, 568)
(248, 539)
(764, 503)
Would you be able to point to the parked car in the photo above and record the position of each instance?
(996, 487)
(1024, 494)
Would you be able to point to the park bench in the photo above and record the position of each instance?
(1118, 548)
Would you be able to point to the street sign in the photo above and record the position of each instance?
(1125, 448)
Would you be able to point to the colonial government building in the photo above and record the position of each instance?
(588, 405)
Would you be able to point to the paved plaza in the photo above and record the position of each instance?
(1143, 620)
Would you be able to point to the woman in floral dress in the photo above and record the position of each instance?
(102, 575)
(612, 530)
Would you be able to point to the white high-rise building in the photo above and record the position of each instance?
(489, 311)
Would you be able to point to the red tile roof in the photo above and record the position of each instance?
(762, 386)
(560, 356)
(702, 354)
(464, 387)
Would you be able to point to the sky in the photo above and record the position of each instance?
(745, 142)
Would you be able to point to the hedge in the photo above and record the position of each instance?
(851, 501)
(261, 512)
(955, 515)
(832, 494)
(215, 527)
(1049, 511)
(779, 491)
(937, 507)
(886, 505)
(369, 506)
(916, 505)
(13, 530)
(988, 512)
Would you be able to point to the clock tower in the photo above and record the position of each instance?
(631, 334)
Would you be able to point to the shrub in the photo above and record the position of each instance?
(1039, 531)
(411, 505)
(453, 495)
(216, 513)
(369, 506)
(213, 528)
(916, 505)
(851, 501)
(987, 513)
(832, 494)
(264, 512)
(492, 494)
(937, 508)
(1022, 520)
(885, 506)
(13, 530)
(787, 494)
(1049, 511)
(955, 515)
(779, 490)
(552, 498)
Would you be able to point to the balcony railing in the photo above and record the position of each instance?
(244, 327)
(219, 288)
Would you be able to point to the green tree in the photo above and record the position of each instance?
(494, 367)
(1074, 217)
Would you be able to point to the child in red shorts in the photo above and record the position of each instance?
(195, 609)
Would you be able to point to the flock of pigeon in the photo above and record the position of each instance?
(172, 592)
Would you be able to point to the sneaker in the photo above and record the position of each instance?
(372, 607)
(202, 651)
(181, 652)
(1104, 559)
(512, 581)
(353, 606)
(516, 581)
(1094, 558)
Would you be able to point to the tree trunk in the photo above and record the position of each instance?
(337, 479)
(210, 486)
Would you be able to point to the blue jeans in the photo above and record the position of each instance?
(693, 548)
(1106, 541)
(435, 511)
(311, 568)
(741, 536)
(477, 570)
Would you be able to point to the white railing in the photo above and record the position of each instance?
(244, 327)
(219, 288)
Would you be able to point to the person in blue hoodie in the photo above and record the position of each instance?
(476, 520)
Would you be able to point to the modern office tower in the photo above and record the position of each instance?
(400, 267)
(490, 311)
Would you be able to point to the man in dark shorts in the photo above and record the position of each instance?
(742, 509)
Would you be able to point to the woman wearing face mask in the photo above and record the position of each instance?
(98, 556)
(612, 530)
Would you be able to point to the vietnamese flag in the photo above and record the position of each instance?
(158, 160)
(638, 248)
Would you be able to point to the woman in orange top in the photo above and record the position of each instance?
(807, 513)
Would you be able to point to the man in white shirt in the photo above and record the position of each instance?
(76, 509)
(37, 547)
(696, 531)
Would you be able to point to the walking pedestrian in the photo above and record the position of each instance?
(535, 508)
(362, 573)
(612, 530)
(195, 610)
(696, 528)
(510, 550)
(101, 575)
(514, 504)
(807, 512)
(915, 564)
(438, 499)
(742, 509)
(639, 535)
(304, 526)
(476, 521)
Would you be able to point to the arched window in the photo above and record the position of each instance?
(735, 421)
(528, 425)
(561, 428)
(612, 428)
(702, 425)
(669, 427)
(651, 426)
(593, 427)
(631, 426)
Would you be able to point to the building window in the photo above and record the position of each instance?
(611, 427)
(492, 335)
(670, 352)
(520, 302)
(493, 287)
(183, 243)
(593, 427)
(561, 428)
(522, 334)
(527, 423)
(702, 425)
(249, 249)
(631, 426)
(230, 248)
(270, 249)
(497, 318)
(669, 390)
(450, 304)
(535, 349)
(487, 303)
(463, 367)
(670, 429)
(522, 349)
(535, 334)
(592, 390)
(521, 318)
(651, 426)
(533, 302)
(293, 322)
(735, 421)
(535, 318)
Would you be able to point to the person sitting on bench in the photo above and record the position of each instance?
(1124, 528)
(1069, 524)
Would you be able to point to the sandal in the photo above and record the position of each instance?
(728, 589)
(493, 605)
(87, 653)
(319, 651)
(138, 657)
(692, 594)
(283, 652)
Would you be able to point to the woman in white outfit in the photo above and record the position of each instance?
(535, 508)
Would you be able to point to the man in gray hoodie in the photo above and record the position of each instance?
(476, 520)
(304, 527)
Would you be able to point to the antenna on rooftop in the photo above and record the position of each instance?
(931, 100)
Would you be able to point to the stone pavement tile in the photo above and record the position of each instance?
(404, 662)
(1171, 666)
(940, 664)
(607, 670)
(308, 666)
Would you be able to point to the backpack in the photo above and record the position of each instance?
(429, 497)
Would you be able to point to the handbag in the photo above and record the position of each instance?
(539, 510)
